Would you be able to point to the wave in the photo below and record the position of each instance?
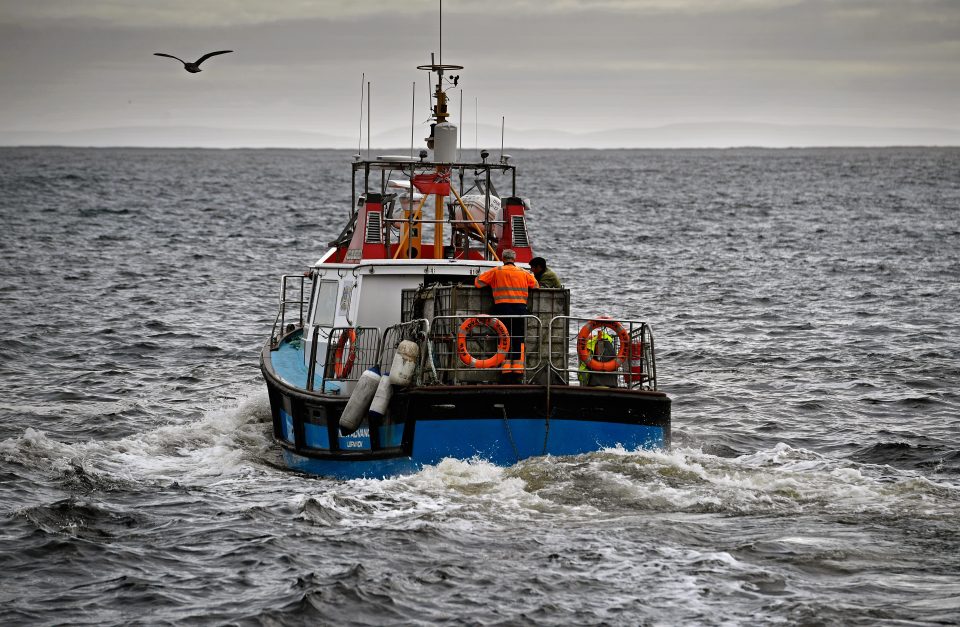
(230, 448)
(225, 441)
(77, 518)
(778, 482)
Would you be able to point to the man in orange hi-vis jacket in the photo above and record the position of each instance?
(510, 286)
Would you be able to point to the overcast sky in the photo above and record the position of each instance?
(575, 65)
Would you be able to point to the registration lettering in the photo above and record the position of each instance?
(358, 439)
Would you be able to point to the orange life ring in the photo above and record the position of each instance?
(503, 342)
(341, 368)
(591, 362)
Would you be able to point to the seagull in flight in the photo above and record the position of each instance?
(194, 67)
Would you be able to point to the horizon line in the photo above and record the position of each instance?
(394, 148)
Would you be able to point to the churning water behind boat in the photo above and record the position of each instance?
(804, 304)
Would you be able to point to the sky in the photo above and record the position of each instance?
(581, 70)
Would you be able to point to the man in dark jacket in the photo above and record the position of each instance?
(544, 275)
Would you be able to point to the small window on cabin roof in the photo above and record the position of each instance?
(325, 303)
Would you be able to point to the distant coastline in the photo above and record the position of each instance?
(692, 135)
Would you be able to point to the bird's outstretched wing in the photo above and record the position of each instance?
(160, 54)
(211, 54)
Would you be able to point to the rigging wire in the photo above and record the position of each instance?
(363, 78)
(413, 111)
(368, 120)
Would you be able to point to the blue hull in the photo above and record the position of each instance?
(501, 424)
(488, 440)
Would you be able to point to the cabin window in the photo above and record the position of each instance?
(325, 305)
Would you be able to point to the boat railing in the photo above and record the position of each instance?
(602, 352)
(449, 172)
(416, 331)
(469, 349)
(349, 351)
(297, 284)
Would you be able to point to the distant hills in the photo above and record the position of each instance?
(693, 135)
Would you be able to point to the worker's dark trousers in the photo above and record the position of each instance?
(517, 327)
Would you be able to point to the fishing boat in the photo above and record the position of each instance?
(384, 357)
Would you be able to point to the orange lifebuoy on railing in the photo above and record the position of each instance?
(503, 342)
(591, 362)
(341, 368)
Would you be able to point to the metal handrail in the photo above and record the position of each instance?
(444, 221)
(638, 369)
(416, 331)
(447, 364)
(360, 354)
(279, 323)
(403, 166)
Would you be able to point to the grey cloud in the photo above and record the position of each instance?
(578, 66)
(212, 13)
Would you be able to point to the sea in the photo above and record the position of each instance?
(805, 305)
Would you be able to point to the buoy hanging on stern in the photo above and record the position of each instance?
(359, 402)
(381, 400)
(404, 363)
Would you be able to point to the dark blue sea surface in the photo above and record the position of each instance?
(806, 307)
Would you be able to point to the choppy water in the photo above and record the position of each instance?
(805, 305)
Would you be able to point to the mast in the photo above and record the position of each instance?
(443, 142)
(373, 217)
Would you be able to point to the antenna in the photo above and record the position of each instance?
(439, 111)
(441, 32)
(413, 110)
(503, 125)
(363, 78)
(460, 124)
(368, 120)
(430, 87)
(476, 121)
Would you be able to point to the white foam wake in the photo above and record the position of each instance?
(226, 441)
